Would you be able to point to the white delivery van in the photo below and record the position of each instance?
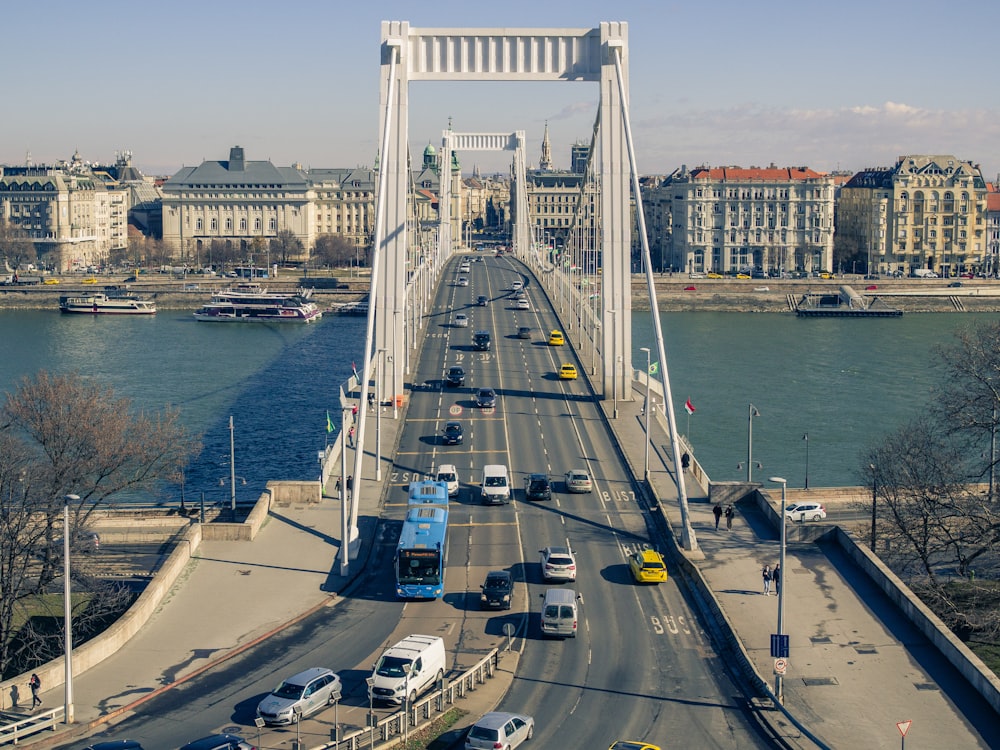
(411, 667)
(496, 487)
(559, 613)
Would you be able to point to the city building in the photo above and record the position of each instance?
(991, 267)
(925, 212)
(731, 220)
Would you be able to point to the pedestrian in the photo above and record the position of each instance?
(685, 461)
(371, 401)
(776, 577)
(354, 413)
(717, 511)
(337, 486)
(766, 574)
(350, 436)
(730, 512)
(35, 684)
(350, 486)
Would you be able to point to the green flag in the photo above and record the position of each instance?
(654, 368)
(329, 424)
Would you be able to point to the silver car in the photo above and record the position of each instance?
(558, 564)
(578, 480)
(300, 696)
(499, 729)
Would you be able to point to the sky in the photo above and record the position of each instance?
(839, 85)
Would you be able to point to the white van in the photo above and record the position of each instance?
(559, 613)
(415, 664)
(496, 487)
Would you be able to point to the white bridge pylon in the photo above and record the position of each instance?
(568, 55)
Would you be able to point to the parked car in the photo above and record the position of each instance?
(453, 433)
(500, 730)
(455, 377)
(299, 696)
(486, 398)
(558, 564)
(647, 566)
(567, 372)
(578, 480)
(498, 590)
(537, 487)
(219, 742)
(811, 511)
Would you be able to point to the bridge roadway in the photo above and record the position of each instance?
(645, 664)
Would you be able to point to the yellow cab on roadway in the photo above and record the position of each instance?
(51, 281)
(647, 566)
(632, 745)
(556, 338)
(567, 372)
(714, 275)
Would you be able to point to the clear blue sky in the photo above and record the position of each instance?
(835, 85)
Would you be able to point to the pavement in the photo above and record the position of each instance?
(857, 667)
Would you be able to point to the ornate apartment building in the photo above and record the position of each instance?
(735, 220)
(927, 211)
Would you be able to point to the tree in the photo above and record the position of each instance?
(286, 246)
(334, 251)
(16, 246)
(62, 435)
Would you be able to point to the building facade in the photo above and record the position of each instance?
(925, 212)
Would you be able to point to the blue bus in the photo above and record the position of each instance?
(422, 551)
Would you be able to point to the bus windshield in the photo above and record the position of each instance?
(419, 566)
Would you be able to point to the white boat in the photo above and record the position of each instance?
(112, 301)
(252, 303)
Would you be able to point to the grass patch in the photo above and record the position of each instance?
(432, 737)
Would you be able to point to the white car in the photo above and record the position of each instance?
(448, 474)
(523, 304)
(462, 320)
(578, 480)
(516, 285)
(463, 281)
(299, 696)
(558, 564)
(805, 512)
(499, 730)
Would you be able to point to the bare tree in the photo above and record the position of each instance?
(334, 251)
(16, 246)
(286, 246)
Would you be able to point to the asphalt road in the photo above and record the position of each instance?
(642, 667)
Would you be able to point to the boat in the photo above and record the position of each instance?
(253, 303)
(846, 304)
(114, 300)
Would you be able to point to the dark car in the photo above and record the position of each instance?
(486, 398)
(455, 377)
(219, 742)
(483, 300)
(537, 487)
(453, 433)
(524, 332)
(115, 745)
(498, 590)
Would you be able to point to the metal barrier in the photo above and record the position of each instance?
(422, 712)
(13, 733)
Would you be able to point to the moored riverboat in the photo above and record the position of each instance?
(112, 301)
(252, 303)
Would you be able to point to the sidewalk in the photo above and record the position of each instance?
(856, 665)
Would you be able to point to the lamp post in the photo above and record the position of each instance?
(232, 468)
(874, 503)
(805, 437)
(614, 360)
(753, 413)
(345, 533)
(645, 409)
(782, 580)
(67, 612)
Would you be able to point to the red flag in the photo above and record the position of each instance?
(689, 407)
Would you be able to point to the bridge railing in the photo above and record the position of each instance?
(11, 734)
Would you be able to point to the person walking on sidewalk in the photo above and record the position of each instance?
(730, 512)
(350, 436)
(717, 511)
(350, 487)
(35, 684)
(766, 574)
(776, 577)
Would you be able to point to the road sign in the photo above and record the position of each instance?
(780, 666)
(779, 646)
(903, 727)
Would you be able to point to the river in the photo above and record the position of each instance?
(844, 382)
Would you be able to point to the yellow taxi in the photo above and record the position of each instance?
(51, 281)
(567, 372)
(556, 338)
(632, 745)
(742, 276)
(91, 280)
(647, 566)
(714, 275)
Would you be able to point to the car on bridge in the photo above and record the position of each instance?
(633, 745)
(453, 434)
(299, 696)
(810, 511)
(647, 566)
(556, 338)
(498, 590)
(455, 377)
(537, 487)
(567, 372)
(578, 480)
(462, 320)
(558, 564)
(500, 730)
(486, 398)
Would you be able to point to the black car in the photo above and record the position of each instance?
(537, 487)
(483, 300)
(524, 332)
(455, 377)
(498, 591)
(453, 433)
(486, 398)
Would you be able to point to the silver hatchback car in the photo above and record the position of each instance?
(499, 729)
(300, 696)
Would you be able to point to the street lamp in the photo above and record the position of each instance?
(67, 612)
(645, 409)
(344, 512)
(614, 360)
(806, 438)
(753, 413)
(874, 504)
(232, 468)
(782, 579)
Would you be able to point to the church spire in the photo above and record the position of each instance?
(545, 163)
